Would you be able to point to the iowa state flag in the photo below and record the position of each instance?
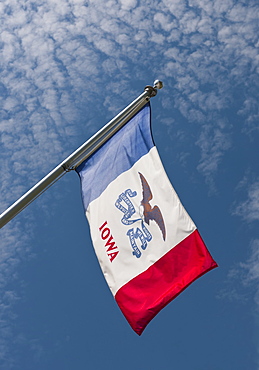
(148, 247)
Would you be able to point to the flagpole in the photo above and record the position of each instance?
(81, 154)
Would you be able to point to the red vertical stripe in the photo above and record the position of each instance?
(146, 294)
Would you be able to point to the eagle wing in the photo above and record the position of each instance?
(147, 194)
(156, 215)
(149, 212)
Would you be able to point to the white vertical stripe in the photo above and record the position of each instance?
(179, 225)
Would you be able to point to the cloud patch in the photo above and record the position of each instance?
(249, 208)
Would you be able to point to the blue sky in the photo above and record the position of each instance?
(67, 67)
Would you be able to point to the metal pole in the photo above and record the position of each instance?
(81, 154)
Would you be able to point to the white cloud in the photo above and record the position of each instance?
(14, 248)
(242, 279)
(163, 21)
(177, 7)
(53, 53)
(60, 58)
(249, 209)
(128, 4)
(251, 267)
(245, 276)
(213, 142)
(189, 22)
(250, 112)
(242, 285)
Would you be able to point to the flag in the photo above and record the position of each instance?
(148, 247)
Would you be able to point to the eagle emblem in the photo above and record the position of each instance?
(151, 213)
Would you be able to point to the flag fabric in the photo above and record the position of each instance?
(148, 247)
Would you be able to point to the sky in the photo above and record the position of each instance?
(67, 68)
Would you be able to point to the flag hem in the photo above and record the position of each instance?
(141, 299)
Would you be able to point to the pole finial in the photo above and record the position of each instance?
(152, 90)
(158, 84)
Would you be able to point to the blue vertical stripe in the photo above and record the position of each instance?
(116, 156)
